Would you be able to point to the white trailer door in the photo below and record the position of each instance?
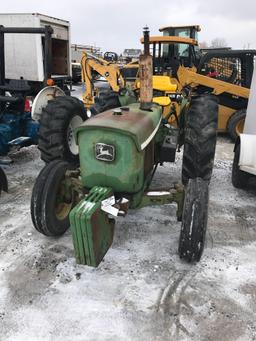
(23, 52)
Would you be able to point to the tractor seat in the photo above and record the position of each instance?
(16, 85)
(164, 101)
(161, 83)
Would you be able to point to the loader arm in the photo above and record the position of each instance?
(188, 77)
(107, 70)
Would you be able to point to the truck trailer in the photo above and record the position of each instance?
(25, 56)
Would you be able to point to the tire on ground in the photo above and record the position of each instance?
(106, 100)
(235, 124)
(3, 181)
(239, 178)
(194, 220)
(200, 138)
(49, 207)
(56, 132)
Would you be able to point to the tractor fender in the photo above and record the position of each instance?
(41, 100)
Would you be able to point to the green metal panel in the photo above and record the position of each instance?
(124, 174)
(92, 230)
(140, 125)
(128, 134)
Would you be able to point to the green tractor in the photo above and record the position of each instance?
(119, 151)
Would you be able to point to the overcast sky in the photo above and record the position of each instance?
(117, 24)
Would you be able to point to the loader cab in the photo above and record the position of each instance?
(181, 31)
(189, 54)
(169, 52)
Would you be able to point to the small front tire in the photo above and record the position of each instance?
(52, 199)
(194, 220)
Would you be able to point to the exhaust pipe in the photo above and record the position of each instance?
(146, 73)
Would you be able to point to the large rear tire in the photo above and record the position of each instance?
(239, 178)
(194, 220)
(200, 138)
(52, 200)
(56, 133)
(106, 100)
(235, 125)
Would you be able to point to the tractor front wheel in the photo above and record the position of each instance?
(57, 124)
(52, 199)
(194, 220)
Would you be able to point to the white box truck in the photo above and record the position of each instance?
(25, 56)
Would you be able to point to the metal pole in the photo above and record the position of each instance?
(2, 67)
(146, 73)
(30, 30)
(146, 41)
(48, 53)
(2, 60)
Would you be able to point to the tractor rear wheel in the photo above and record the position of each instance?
(57, 124)
(200, 138)
(194, 220)
(52, 199)
(106, 100)
(235, 125)
(239, 178)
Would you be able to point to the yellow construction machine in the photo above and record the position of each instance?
(178, 63)
(109, 70)
(225, 73)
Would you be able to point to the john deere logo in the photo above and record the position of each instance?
(104, 152)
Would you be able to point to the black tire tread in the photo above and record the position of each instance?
(232, 122)
(36, 197)
(105, 101)
(200, 138)
(240, 179)
(41, 213)
(192, 235)
(53, 125)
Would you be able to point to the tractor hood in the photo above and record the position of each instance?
(139, 124)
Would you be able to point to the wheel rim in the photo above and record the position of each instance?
(75, 122)
(239, 127)
(64, 201)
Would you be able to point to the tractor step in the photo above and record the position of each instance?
(92, 229)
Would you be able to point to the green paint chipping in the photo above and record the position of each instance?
(92, 230)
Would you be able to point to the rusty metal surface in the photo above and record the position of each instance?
(134, 122)
(92, 230)
(146, 84)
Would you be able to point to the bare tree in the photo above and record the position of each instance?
(219, 42)
(203, 45)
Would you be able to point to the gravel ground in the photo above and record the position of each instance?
(142, 290)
